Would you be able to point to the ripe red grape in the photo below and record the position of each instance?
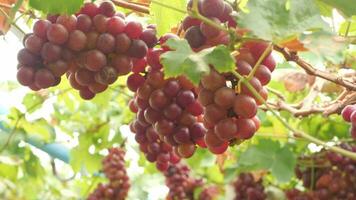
(57, 34)
(25, 76)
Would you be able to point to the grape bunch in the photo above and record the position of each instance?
(93, 48)
(335, 180)
(114, 170)
(168, 107)
(230, 115)
(349, 115)
(246, 188)
(153, 147)
(200, 34)
(181, 185)
(209, 193)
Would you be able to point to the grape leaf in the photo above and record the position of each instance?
(346, 7)
(57, 6)
(166, 18)
(275, 20)
(269, 155)
(183, 61)
(32, 102)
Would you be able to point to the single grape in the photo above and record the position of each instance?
(219, 149)
(212, 140)
(182, 135)
(73, 82)
(263, 74)
(25, 76)
(224, 97)
(186, 150)
(245, 106)
(152, 116)
(156, 79)
(245, 128)
(149, 37)
(142, 104)
(86, 94)
(90, 9)
(95, 60)
(187, 119)
(122, 64)
(84, 77)
(213, 81)
(172, 88)
(185, 98)
(195, 37)
(44, 78)
(106, 76)
(105, 43)
(133, 29)
(57, 34)
(347, 111)
(189, 22)
(158, 100)
(97, 88)
(84, 23)
(123, 43)
(58, 68)
(92, 37)
(212, 8)
(172, 112)
(107, 8)
(209, 31)
(100, 23)
(68, 21)
(116, 25)
(213, 113)
(226, 129)
(270, 63)
(205, 97)
(139, 65)
(227, 12)
(77, 40)
(25, 57)
(138, 49)
(51, 52)
(195, 108)
(40, 28)
(197, 131)
(34, 44)
(153, 59)
(164, 127)
(243, 67)
(134, 81)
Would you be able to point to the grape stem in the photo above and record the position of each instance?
(194, 12)
(265, 53)
(309, 69)
(296, 133)
(131, 6)
(2, 11)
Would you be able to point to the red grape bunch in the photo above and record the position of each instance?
(209, 193)
(181, 185)
(247, 188)
(199, 34)
(93, 47)
(336, 179)
(168, 107)
(229, 116)
(114, 170)
(349, 115)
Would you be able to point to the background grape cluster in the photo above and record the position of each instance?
(114, 169)
(247, 188)
(93, 48)
(349, 115)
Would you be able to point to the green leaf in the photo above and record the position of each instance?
(352, 28)
(346, 7)
(183, 61)
(320, 43)
(39, 129)
(57, 6)
(324, 8)
(32, 102)
(275, 20)
(269, 155)
(166, 18)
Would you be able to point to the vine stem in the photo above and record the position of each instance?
(295, 132)
(131, 6)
